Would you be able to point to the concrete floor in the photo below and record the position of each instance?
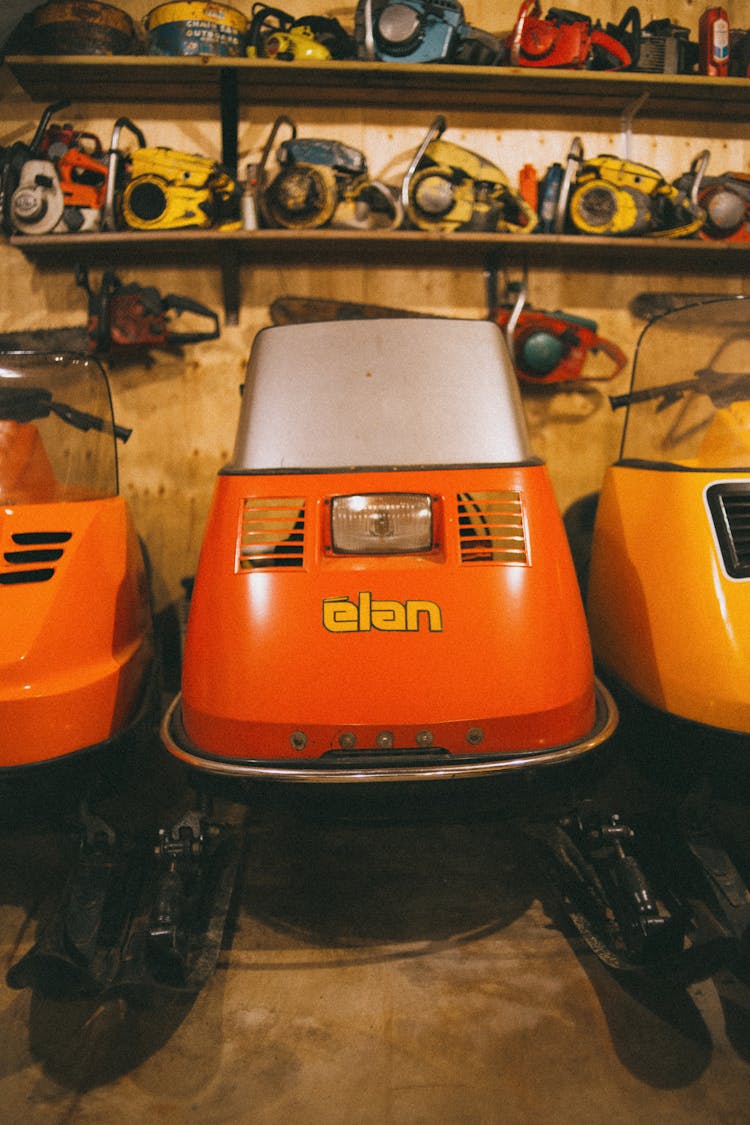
(396, 957)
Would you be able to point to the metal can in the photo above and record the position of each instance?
(83, 27)
(713, 43)
(190, 27)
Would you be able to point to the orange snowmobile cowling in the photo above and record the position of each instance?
(669, 581)
(385, 590)
(76, 647)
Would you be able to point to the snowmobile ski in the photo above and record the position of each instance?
(134, 917)
(630, 921)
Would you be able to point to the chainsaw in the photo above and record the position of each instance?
(321, 182)
(605, 195)
(126, 318)
(448, 188)
(570, 39)
(724, 198)
(274, 34)
(548, 347)
(31, 199)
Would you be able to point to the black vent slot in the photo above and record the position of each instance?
(21, 577)
(729, 505)
(45, 554)
(22, 566)
(40, 538)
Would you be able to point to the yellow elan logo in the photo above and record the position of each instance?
(342, 615)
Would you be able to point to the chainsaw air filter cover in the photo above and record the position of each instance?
(726, 211)
(601, 208)
(304, 195)
(537, 354)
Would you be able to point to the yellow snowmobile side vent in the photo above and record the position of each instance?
(491, 528)
(272, 533)
(729, 505)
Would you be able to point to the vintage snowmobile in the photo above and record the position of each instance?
(385, 591)
(78, 677)
(667, 601)
(77, 645)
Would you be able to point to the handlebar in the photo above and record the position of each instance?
(27, 404)
(720, 388)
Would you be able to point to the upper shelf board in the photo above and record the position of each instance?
(145, 78)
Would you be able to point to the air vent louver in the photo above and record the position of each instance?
(22, 566)
(272, 534)
(729, 505)
(491, 527)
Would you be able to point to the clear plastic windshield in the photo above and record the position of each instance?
(689, 403)
(57, 435)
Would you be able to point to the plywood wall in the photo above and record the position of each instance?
(183, 409)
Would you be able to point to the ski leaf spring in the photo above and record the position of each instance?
(133, 916)
(676, 906)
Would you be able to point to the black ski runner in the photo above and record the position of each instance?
(138, 917)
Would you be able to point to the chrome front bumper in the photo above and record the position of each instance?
(432, 768)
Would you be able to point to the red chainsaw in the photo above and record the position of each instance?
(552, 347)
(569, 39)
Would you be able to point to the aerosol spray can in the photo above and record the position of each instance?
(250, 199)
(713, 43)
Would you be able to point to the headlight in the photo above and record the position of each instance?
(381, 523)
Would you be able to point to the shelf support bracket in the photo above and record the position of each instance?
(230, 280)
(229, 103)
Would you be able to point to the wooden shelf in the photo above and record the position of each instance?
(230, 250)
(124, 79)
(401, 247)
(228, 83)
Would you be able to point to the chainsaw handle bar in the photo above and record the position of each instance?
(613, 352)
(185, 304)
(528, 8)
(44, 120)
(109, 218)
(436, 129)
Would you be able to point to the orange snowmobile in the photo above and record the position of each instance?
(385, 591)
(78, 685)
(76, 654)
(77, 667)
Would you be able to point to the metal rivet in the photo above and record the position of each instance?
(474, 735)
(347, 741)
(384, 740)
(298, 740)
(425, 738)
